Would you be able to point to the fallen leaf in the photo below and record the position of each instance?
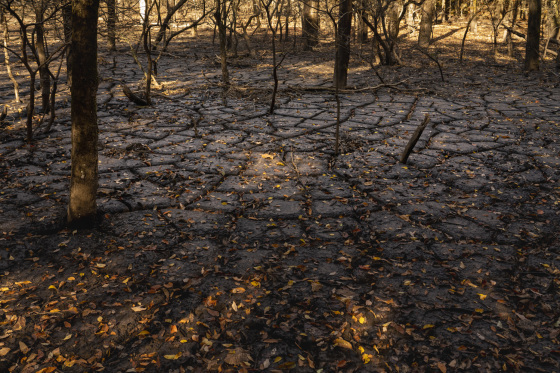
(138, 309)
(340, 342)
(173, 357)
(4, 351)
(23, 348)
(237, 357)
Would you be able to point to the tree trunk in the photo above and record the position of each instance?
(533, 36)
(82, 207)
(310, 23)
(112, 24)
(67, 20)
(361, 25)
(220, 16)
(343, 35)
(473, 14)
(44, 76)
(425, 34)
(7, 58)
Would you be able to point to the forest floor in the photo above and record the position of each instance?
(252, 247)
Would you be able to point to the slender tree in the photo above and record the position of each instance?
(111, 24)
(425, 34)
(343, 34)
(310, 23)
(82, 207)
(533, 36)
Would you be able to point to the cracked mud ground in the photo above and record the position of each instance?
(252, 248)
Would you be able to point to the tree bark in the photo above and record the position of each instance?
(533, 36)
(425, 34)
(343, 35)
(44, 75)
(7, 58)
(310, 23)
(82, 206)
(220, 15)
(67, 20)
(112, 24)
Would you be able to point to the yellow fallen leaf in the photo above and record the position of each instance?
(138, 309)
(238, 290)
(277, 359)
(267, 156)
(340, 342)
(427, 326)
(68, 336)
(362, 320)
(482, 296)
(173, 357)
(4, 351)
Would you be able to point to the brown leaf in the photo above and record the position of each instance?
(4, 351)
(442, 367)
(237, 357)
(23, 347)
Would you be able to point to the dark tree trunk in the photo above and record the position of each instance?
(82, 207)
(425, 34)
(222, 35)
(533, 36)
(67, 19)
(44, 76)
(112, 24)
(310, 23)
(342, 57)
(509, 38)
(361, 26)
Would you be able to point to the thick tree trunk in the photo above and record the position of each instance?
(425, 34)
(112, 24)
(342, 57)
(310, 23)
(533, 36)
(82, 207)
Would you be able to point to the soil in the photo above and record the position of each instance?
(249, 245)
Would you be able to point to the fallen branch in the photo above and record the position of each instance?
(348, 90)
(134, 97)
(414, 139)
(517, 33)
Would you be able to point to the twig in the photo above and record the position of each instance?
(414, 139)
(425, 52)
